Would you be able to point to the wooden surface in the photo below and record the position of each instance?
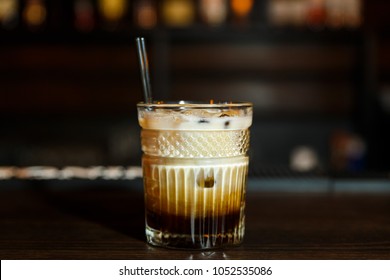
(95, 221)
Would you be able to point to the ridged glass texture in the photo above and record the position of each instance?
(195, 204)
(194, 144)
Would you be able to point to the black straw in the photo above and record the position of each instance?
(144, 69)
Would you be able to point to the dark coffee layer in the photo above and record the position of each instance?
(198, 226)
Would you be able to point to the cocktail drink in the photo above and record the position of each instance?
(195, 167)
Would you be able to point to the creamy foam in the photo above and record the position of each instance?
(183, 118)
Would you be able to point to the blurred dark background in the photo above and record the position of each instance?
(317, 72)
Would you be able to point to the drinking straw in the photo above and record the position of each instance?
(144, 69)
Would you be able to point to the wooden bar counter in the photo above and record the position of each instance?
(103, 220)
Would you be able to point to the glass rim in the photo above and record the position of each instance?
(195, 104)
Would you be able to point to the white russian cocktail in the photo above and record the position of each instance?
(195, 167)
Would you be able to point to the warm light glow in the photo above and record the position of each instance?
(8, 9)
(112, 10)
(84, 15)
(178, 12)
(213, 12)
(145, 14)
(34, 13)
(241, 8)
(316, 14)
(353, 15)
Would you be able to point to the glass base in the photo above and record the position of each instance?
(196, 242)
